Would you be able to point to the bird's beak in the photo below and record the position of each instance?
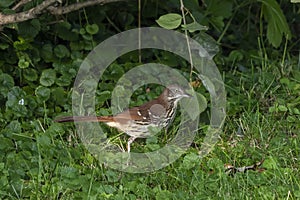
(187, 95)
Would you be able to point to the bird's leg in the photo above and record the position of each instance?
(130, 140)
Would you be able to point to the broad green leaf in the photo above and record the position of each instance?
(169, 21)
(43, 93)
(58, 95)
(282, 108)
(44, 140)
(190, 161)
(64, 80)
(82, 31)
(209, 44)
(190, 105)
(217, 22)
(5, 145)
(215, 164)
(194, 26)
(69, 172)
(14, 127)
(277, 24)
(15, 102)
(65, 32)
(29, 29)
(61, 51)
(164, 194)
(48, 77)
(3, 46)
(103, 96)
(219, 8)
(291, 119)
(6, 83)
(31, 101)
(47, 52)
(6, 3)
(125, 18)
(30, 74)
(192, 5)
(21, 44)
(92, 29)
(23, 63)
(87, 37)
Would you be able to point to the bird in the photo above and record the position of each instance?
(137, 121)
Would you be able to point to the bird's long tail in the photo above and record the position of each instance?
(84, 119)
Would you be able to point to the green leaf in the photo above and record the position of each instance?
(61, 51)
(190, 105)
(5, 145)
(15, 102)
(14, 127)
(92, 29)
(69, 172)
(169, 21)
(208, 43)
(277, 24)
(23, 63)
(291, 119)
(30, 74)
(21, 44)
(215, 163)
(125, 18)
(236, 55)
(190, 161)
(195, 26)
(82, 31)
(58, 95)
(217, 22)
(29, 29)
(4, 46)
(47, 52)
(219, 8)
(270, 163)
(6, 3)
(48, 77)
(43, 93)
(65, 32)
(103, 96)
(6, 83)
(282, 108)
(164, 194)
(64, 80)
(43, 140)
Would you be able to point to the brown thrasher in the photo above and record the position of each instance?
(136, 121)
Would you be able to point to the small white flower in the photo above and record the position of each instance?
(21, 102)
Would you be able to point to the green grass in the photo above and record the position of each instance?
(50, 162)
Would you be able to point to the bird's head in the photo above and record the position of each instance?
(175, 93)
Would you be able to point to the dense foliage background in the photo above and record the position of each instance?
(256, 43)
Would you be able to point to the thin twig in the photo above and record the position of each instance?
(139, 25)
(187, 39)
(20, 4)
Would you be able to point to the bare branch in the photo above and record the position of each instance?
(66, 9)
(47, 6)
(29, 14)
